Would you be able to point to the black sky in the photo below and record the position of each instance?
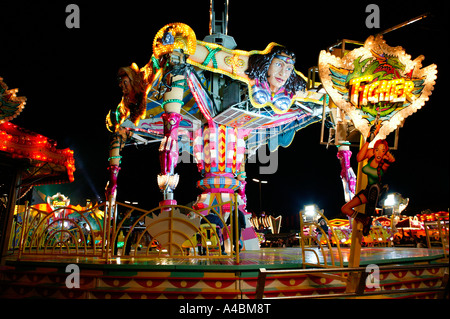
(69, 79)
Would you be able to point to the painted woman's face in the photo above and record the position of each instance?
(125, 85)
(279, 72)
(379, 152)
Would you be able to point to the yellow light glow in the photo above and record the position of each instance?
(11, 97)
(184, 38)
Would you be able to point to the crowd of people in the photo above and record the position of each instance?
(289, 241)
(411, 241)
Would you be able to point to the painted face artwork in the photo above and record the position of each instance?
(379, 152)
(279, 71)
(125, 85)
(271, 86)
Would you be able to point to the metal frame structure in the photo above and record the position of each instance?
(48, 234)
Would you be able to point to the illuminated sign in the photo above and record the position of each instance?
(385, 222)
(364, 91)
(58, 204)
(377, 81)
(58, 200)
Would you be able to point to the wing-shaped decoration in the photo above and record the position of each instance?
(152, 125)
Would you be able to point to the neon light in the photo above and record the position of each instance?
(363, 91)
(21, 143)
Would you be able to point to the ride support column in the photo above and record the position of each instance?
(168, 150)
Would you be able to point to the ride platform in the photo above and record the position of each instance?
(196, 278)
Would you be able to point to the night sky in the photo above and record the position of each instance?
(69, 79)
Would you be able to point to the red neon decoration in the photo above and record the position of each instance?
(21, 143)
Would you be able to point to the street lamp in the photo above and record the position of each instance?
(310, 213)
(390, 200)
(397, 202)
(259, 182)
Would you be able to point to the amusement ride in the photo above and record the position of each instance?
(222, 105)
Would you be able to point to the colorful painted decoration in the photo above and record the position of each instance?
(179, 104)
(348, 177)
(377, 81)
(377, 160)
(269, 74)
